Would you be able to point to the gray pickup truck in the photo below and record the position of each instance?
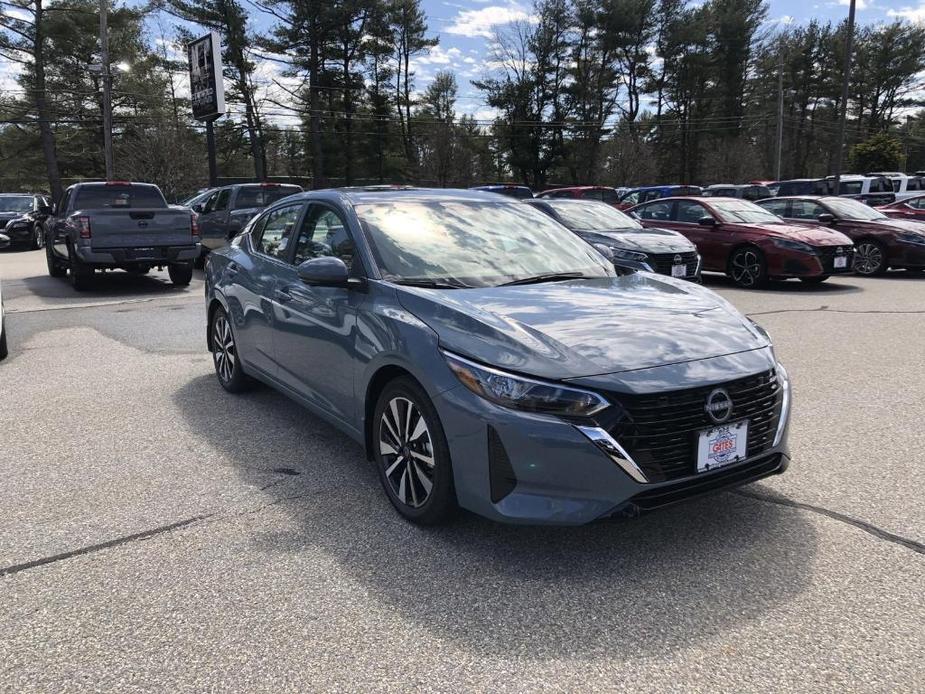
(118, 224)
(224, 211)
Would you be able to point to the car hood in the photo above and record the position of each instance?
(573, 329)
(813, 235)
(648, 240)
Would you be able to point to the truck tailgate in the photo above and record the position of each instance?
(139, 228)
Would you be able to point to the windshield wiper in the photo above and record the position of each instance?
(547, 277)
(431, 284)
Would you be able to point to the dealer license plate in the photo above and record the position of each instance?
(722, 445)
(679, 270)
(841, 261)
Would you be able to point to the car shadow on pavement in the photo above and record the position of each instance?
(664, 582)
(113, 284)
(716, 281)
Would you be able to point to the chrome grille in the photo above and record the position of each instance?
(662, 262)
(660, 431)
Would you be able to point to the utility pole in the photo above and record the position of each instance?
(107, 88)
(849, 41)
(780, 107)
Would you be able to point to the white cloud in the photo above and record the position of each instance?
(482, 22)
(438, 56)
(786, 20)
(913, 14)
(859, 4)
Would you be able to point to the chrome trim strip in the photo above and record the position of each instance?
(606, 443)
(785, 406)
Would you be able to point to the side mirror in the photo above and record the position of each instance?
(706, 221)
(604, 251)
(4, 241)
(324, 272)
(198, 208)
(826, 218)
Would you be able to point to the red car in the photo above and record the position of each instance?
(602, 193)
(879, 241)
(911, 208)
(748, 243)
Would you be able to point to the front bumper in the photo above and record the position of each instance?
(795, 264)
(18, 233)
(521, 467)
(120, 257)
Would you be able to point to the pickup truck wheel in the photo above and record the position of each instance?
(55, 267)
(180, 273)
(81, 274)
(225, 354)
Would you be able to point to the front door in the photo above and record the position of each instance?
(710, 240)
(316, 332)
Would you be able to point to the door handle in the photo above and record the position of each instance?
(233, 268)
(282, 296)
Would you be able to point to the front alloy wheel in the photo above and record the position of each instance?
(38, 238)
(747, 268)
(869, 258)
(411, 453)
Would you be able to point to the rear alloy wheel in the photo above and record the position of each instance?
(180, 273)
(869, 258)
(747, 268)
(225, 354)
(38, 238)
(412, 455)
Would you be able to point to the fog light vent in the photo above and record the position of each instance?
(500, 473)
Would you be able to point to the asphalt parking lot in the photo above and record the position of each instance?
(159, 534)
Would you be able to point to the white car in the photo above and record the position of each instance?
(4, 242)
(904, 185)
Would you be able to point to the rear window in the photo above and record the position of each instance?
(261, 196)
(117, 197)
(851, 187)
(881, 185)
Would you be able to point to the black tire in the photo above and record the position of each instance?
(4, 351)
(200, 261)
(869, 258)
(747, 268)
(56, 268)
(81, 273)
(818, 279)
(225, 358)
(181, 274)
(37, 242)
(405, 472)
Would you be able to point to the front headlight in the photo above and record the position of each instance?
(911, 237)
(784, 379)
(627, 254)
(521, 393)
(792, 245)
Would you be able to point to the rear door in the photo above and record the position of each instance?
(254, 287)
(213, 221)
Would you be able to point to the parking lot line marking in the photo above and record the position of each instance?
(100, 304)
(145, 534)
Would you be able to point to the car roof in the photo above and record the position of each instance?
(98, 184)
(20, 195)
(550, 190)
(360, 195)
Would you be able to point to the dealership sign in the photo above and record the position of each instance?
(205, 72)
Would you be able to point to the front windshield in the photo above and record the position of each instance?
(16, 203)
(743, 212)
(853, 210)
(473, 243)
(593, 216)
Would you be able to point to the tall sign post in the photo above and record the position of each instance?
(207, 89)
(107, 88)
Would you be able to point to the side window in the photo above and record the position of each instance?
(657, 210)
(593, 195)
(630, 199)
(609, 196)
(209, 204)
(651, 195)
(323, 234)
(65, 201)
(778, 207)
(276, 231)
(917, 203)
(221, 201)
(690, 211)
(914, 184)
(805, 209)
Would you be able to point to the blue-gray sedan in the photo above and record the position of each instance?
(488, 358)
